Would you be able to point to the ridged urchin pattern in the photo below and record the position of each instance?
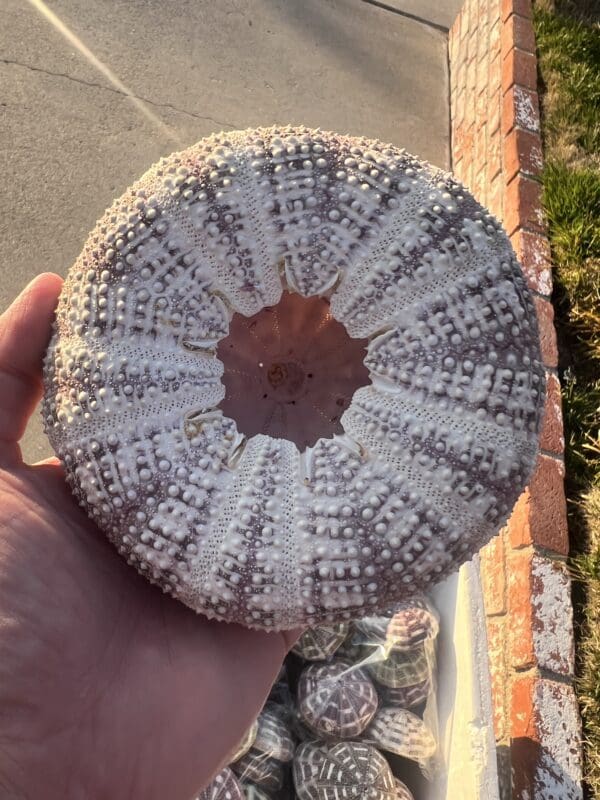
(224, 786)
(342, 771)
(336, 700)
(435, 451)
(320, 642)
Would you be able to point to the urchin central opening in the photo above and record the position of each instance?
(291, 370)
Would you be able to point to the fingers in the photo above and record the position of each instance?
(24, 333)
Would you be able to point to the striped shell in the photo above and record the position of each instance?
(342, 771)
(252, 792)
(320, 642)
(224, 786)
(273, 745)
(409, 624)
(256, 767)
(401, 732)
(336, 700)
(406, 696)
(436, 449)
(402, 791)
(402, 668)
(246, 743)
(273, 737)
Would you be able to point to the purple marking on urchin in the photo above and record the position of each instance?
(321, 642)
(336, 700)
(224, 786)
(342, 771)
(434, 451)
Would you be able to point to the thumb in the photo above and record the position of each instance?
(25, 329)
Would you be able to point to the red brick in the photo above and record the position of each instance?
(495, 196)
(552, 435)
(483, 44)
(494, 110)
(521, 7)
(471, 46)
(548, 527)
(540, 514)
(470, 177)
(522, 153)
(496, 636)
(462, 168)
(517, 32)
(520, 632)
(551, 616)
(465, 28)
(495, 39)
(454, 33)
(463, 137)
(493, 575)
(493, 9)
(458, 116)
(481, 105)
(467, 10)
(523, 205)
(546, 740)
(470, 90)
(480, 158)
(494, 155)
(494, 75)
(453, 44)
(533, 252)
(519, 68)
(481, 85)
(540, 614)
(522, 721)
(545, 315)
(461, 72)
(520, 108)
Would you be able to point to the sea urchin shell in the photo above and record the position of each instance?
(435, 451)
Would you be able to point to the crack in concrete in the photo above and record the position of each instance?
(95, 85)
(427, 23)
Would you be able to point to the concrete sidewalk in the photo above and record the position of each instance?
(71, 141)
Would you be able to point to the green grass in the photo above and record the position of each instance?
(568, 39)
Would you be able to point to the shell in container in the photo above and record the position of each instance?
(273, 737)
(246, 743)
(321, 642)
(336, 700)
(342, 771)
(253, 792)
(402, 668)
(260, 769)
(406, 625)
(224, 786)
(403, 733)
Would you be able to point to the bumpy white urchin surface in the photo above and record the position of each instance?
(427, 460)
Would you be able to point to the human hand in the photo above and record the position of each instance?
(108, 688)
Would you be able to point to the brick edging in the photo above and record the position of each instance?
(497, 153)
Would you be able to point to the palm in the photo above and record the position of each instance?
(110, 689)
